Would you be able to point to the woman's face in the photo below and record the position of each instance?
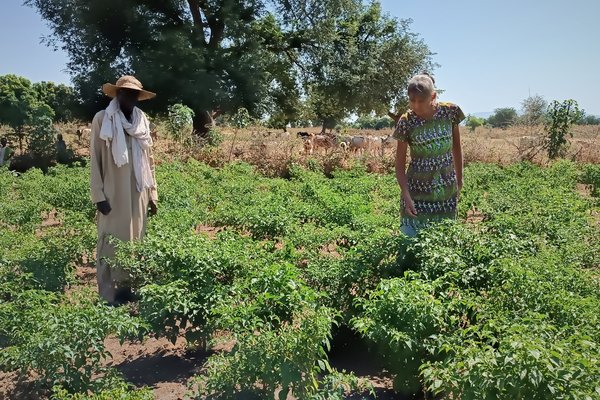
(422, 105)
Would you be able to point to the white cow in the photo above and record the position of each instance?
(365, 143)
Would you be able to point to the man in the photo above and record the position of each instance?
(61, 149)
(123, 184)
(5, 152)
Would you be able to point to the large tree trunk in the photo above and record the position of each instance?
(328, 123)
(203, 122)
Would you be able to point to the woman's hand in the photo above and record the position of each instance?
(409, 205)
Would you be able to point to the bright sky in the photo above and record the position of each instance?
(492, 53)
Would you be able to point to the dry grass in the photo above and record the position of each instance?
(274, 151)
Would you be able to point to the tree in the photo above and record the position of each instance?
(219, 56)
(503, 117)
(474, 122)
(588, 119)
(534, 110)
(561, 117)
(363, 63)
(61, 98)
(365, 122)
(373, 122)
(19, 104)
(42, 136)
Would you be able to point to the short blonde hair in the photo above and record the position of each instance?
(422, 84)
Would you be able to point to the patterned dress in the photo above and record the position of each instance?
(431, 174)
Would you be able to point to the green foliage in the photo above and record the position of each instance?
(17, 100)
(502, 117)
(263, 299)
(561, 117)
(291, 356)
(62, 340)
(168, 308)
(61, 98)
(348, 72)
(521, 359)
(241, 119)
(588, 119)
(506, 308)
(591, 177)
(118, 391)
(404, 316)
(499, 304)
(20, 107)
(262, 55)
(474, 122)
(180, 122)
(214, 137)
(49, 262)
(42, 136)
(336, 386)
(372, 122)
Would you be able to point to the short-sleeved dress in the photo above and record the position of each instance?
(431, 174)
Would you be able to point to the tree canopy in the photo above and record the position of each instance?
(337, 56)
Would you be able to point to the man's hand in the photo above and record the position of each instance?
(103, 207)
(409, 206)
(153, 208)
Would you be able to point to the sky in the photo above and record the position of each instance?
(491, 53)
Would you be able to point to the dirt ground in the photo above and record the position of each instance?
(167, 368)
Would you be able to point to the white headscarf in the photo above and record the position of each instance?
(114, 126)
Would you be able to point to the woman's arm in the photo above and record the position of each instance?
(458, 156)
(401, 177)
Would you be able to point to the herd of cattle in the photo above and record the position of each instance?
(354, 144)
(313, 142)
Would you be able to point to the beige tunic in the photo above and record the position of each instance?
(127, 219)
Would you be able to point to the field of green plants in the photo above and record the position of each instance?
(502, 304)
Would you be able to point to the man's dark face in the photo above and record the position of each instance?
(128, 99)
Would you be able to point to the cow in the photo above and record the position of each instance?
(81, 132)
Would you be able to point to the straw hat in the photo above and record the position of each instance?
(127, 82)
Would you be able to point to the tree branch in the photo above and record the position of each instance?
(197, 17)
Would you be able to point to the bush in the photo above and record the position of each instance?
(119, 391)
(590, 176)
(474, 122)
(403, 318)
(290, 357)
(519, 359)
(214, 137)
(502, 117)
(62, 341)
(180, 122)
(561, 117)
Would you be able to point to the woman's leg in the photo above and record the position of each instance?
(408, 230)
